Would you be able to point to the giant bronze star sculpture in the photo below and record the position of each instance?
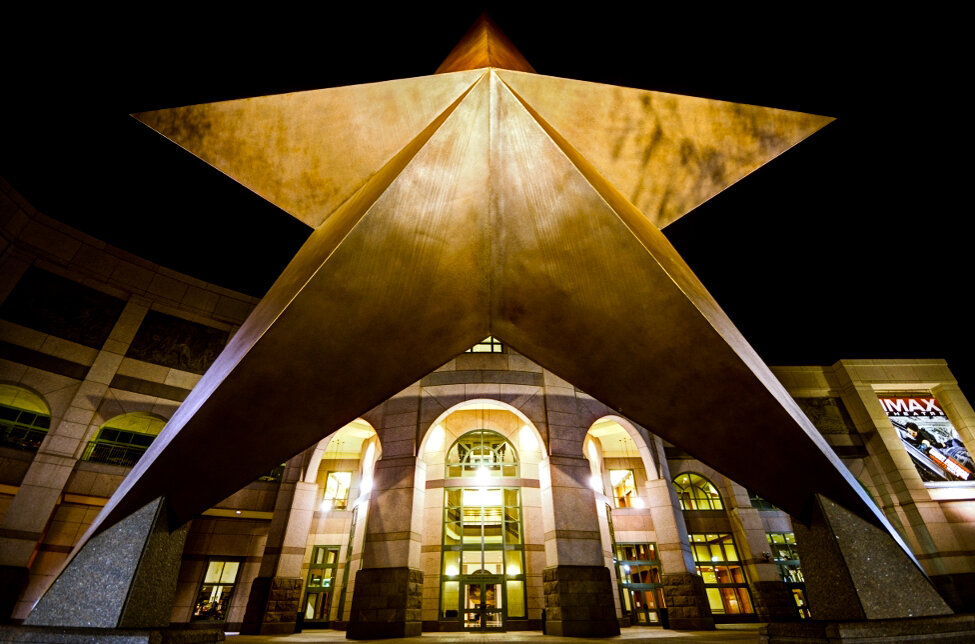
(485, 200)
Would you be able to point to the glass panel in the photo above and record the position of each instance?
(451, 563)
(451, 533)
(337, 489)
(214, 568)
(229, 572)
(451, 598)
(512, 533)
(472, 562)
(332, 556)
(714, 599)
(624, 487)
(494, 562)
(511, 498)
(730, 553)
(512, 563)
(454, 497)
(311, 604)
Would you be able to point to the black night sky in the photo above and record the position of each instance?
(855, 244)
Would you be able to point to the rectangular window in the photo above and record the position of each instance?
(724, 577)
(213, 600)
(785, 554)
(337, 486)
(624, 487)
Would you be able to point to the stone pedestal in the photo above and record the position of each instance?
(687, 603)
(579, 602)
(773, 601)
(386, 603)
(118, 588)
(854, 570)
(124, 577)
(863, 587)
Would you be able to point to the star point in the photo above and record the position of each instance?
(480, 202)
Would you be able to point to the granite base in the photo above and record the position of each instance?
(579, 602)
(386, 603)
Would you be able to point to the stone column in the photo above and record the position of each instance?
(771, 597)
(388, 595)
(579, 593)
(40, 492)
(683, 589)
(275, 599)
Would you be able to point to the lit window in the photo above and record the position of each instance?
(24, 418)
(487, 345)
(697, 493)
(624, 487)
(123, 439)
(337, 486)
(785, 554)
(724, 577)
(217, 588)
(482, 454)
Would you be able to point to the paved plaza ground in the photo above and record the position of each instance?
(725, 633)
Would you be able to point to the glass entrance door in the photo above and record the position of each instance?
(484, 605)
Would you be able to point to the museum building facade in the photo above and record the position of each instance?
(498, 495)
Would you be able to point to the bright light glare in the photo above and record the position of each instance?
(596, 483)
(326, 505)
(637, 502)
(483, 476)
(435, 442)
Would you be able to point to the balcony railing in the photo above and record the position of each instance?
(125, 455)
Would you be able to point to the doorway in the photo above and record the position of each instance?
(484, 605)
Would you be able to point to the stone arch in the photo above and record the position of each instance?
(491, 414)
(354, 441)
(441, 435)
(601, 442)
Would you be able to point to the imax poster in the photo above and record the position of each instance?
(929, 437)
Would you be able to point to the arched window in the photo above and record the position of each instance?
(124, 439)
(696, 492)
(482, 453)
(24, 418)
